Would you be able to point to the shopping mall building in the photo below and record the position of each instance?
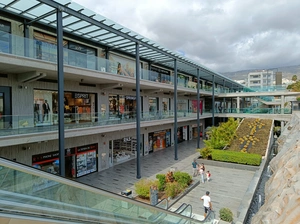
(77, 86)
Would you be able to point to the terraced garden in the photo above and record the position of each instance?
(252, 136)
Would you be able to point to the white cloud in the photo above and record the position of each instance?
(227, 35)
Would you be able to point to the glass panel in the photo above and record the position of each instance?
(32, 191)
(2, 123)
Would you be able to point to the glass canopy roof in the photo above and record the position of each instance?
(84, 23)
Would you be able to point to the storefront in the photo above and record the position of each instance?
(122, 107)
(160, 75)
(182, 134)
(153, 104)
(124, 149)
(166, 104)
(194, 106)
(78, 107)
(195, 130)
(79, 161)
(159, 140)
(74, 54)
(182, 105)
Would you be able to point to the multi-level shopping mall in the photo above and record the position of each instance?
(80, 93)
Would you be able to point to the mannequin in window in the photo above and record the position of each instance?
(46, 110)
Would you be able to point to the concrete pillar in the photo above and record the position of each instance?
(282, 106)
(282, 126)
(238, 104)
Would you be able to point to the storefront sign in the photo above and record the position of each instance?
(130, 97)
(160, 70)
(80, 95)
(45, 157)
(87, 148)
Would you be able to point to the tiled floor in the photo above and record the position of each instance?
(227, 185)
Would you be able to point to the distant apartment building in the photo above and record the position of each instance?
(264, 78)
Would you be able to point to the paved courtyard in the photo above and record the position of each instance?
(227, 185)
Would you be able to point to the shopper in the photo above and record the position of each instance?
(206, 203)
(201, 173)
(195, 168)
(208, 174)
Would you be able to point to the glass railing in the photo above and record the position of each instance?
(26, 124)
(255, 110)
(257, 89)
(37, 49)
(32, 192)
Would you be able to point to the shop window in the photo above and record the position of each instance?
(153, 104)
(5, 36)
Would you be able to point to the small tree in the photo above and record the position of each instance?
(294, 78)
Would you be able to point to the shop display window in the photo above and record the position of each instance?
(159, 140)
(153, 104)
(5, 37)
(78, 107)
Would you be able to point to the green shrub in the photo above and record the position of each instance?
(182, 178)
(161, 181)
(226, 214)
(236, 157)
(205, 152)
(173, 189)
(142, 187)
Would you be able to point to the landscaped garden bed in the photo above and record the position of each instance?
(168, 186)
(234, 142)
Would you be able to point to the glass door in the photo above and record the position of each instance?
(5, 108)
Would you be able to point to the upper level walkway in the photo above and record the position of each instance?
(25, 130)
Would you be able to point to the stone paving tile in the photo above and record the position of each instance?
(227, 185)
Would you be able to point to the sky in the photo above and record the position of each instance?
(223, 35)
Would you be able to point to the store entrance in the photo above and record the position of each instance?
(5, 108)
(124, 149)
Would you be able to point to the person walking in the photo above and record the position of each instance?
(206, 203)
(195, 168)
(208, 174)
(201, 173)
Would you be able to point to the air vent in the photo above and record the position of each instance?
(119, 88)
(87, 84)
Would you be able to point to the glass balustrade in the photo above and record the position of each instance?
(30, 191)
(40, 50)
(27, 124)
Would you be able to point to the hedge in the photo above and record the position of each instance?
(236, 157)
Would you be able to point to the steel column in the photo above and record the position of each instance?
(60, 70)
(213, 101)
(175, 111)
(26, 39)
(198, 108)
(138, 111)
(224, 103)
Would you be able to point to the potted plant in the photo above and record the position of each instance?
(226, 215)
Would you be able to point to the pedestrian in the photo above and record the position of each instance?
(195, 166)
(201, 172)
(206, 203)
(203, 167)
(208, 174)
